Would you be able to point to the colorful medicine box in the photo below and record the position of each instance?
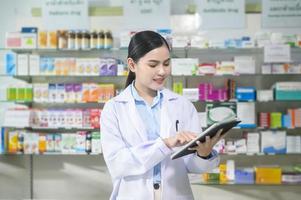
(246, 93)
(268, 175)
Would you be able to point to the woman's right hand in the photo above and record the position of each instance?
(179, 139)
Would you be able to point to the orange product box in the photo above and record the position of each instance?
(268, 175)
(52, 39)
(42, 143)
(95, 91)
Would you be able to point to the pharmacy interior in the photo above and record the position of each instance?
(62, 60)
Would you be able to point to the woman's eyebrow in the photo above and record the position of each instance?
(168, 59)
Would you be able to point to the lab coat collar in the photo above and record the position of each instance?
(126, 95)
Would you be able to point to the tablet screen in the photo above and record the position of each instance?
(225, 125)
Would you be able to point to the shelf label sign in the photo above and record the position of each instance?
(65, 14)
(146, 14)
(221, 14)
(277, 53)
(281, 13)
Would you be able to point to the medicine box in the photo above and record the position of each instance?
(268, 175)
(246, 93)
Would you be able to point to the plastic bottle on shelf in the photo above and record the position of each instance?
(71, 40)
(62, 39)
(93, 39)
(88, 142)
(78, 40)
(100, 40)
(108, 40)
(85, 40)
(21, 142)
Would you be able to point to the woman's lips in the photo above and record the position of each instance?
(159, 80)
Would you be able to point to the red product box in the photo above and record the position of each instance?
(264, 120)
(95, 118)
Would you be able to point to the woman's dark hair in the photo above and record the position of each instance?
(142, 43)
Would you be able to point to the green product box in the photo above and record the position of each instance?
(11, 94)
(213, 178)
(28, 94)
(287, 95)
(276, 120)
(20, 94)
(178, 88)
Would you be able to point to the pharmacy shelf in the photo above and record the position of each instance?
(71, 79)
(17, 102)
(236, 132)
(257, 102)
(256, 75)
(194, 51)
(52, 154)
(246, 185)
(61, 105)
(114, 52)
(243, 160)
(51, 130)
(68, 105)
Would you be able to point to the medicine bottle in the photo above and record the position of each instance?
(93, 40)
(100, 40)
(71, 40)
(78, 40)
(88, 142)
(62, 39)
(108, 40)
(85, 40)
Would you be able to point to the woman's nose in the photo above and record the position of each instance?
(161, 70)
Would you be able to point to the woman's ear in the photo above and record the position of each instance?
(131, 64)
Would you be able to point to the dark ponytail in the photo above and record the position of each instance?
(142, 43)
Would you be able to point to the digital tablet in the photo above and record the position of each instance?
(226, 125)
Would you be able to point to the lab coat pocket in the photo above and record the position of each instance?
(184, 197)
(124, 198)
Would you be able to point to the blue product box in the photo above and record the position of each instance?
(10, 64)
(286, 121)
(2, 143)
(43, 65)
(29, 30)
(245, 93)
(244, 176)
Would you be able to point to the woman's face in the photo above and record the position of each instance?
(152, 69)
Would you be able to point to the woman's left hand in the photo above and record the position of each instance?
(204, 149)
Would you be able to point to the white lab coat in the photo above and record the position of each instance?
(130, 157)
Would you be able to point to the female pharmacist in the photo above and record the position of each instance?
(141, 126)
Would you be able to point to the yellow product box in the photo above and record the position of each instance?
(223, 174)
(268, 175)
(13, 142)
(42, 39)
(109, 92)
